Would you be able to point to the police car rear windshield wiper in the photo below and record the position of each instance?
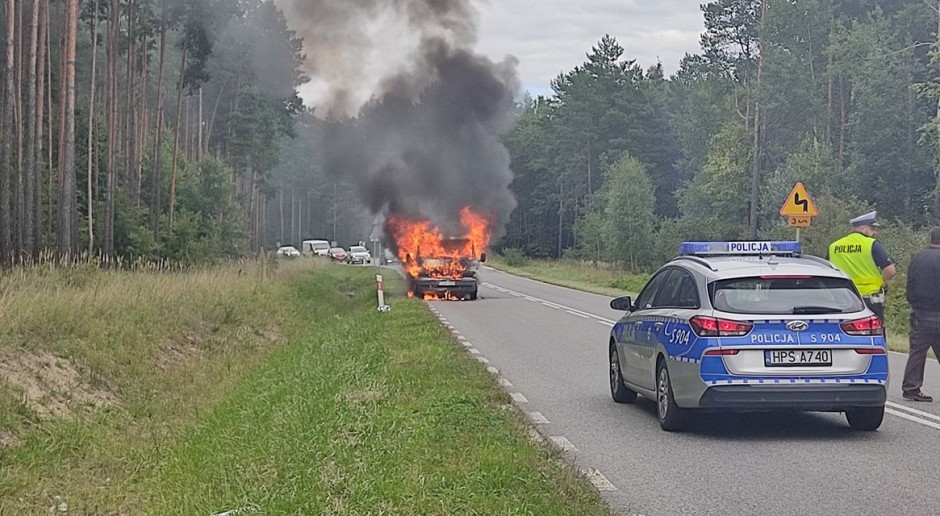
(816, 310)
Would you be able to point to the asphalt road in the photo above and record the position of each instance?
(548, 346)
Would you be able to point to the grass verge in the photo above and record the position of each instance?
(293, 396)
(601, 279)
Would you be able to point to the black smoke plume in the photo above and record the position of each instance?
(427, 143)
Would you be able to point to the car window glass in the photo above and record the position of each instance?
(649, 292)
(670, 289)
(786, 295)
(687, 296)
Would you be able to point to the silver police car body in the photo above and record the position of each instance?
(749, 326)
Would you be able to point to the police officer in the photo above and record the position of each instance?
(865, 260)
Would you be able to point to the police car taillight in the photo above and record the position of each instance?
(714, 327)
(864, 327)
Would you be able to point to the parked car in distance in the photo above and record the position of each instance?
(389, 258)
(315, 247)
(337, 254)
(358, 254)
(288, 251)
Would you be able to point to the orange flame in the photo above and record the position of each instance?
(418, 241)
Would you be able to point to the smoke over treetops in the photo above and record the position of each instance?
(414, 114)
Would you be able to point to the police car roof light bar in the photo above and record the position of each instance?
(757, 248)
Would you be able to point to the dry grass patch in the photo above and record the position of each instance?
(51, 386)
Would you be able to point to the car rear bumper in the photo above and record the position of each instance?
(810, 398)
(434, 287)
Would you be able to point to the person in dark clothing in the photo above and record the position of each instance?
(923, 293)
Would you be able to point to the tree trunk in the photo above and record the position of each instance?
(176, 136)
(44, 101)
(36, 135)
(756, 154)
(6, 153)
(114, 33)
(20, 231)
(128, 136)
(65, 241)
(156, 177)
(29, 171)
(843, 123)
(91, 131)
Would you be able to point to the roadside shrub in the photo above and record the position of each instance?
(514, 258)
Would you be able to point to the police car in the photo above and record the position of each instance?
(749, 326)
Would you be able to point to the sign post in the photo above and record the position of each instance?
(799, 208)
(380, 287)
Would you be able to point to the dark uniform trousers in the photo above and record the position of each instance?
(925, 334)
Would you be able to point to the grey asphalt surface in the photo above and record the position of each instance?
(549, 345)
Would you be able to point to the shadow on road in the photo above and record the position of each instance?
(767, 426)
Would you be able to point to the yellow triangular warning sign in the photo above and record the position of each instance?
(799, 203)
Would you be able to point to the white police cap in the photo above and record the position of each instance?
(868, 219)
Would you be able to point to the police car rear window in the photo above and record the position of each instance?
(785, 295)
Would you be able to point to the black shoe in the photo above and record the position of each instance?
(916, 396)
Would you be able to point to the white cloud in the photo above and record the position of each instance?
(550, 37)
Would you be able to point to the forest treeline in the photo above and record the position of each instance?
(173, 129)
(142, 128)
(620, 163)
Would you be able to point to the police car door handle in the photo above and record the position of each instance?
(658, 325)
(638, 323)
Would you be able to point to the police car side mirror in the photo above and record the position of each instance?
(624, 304)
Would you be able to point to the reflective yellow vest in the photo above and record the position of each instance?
(852, 255)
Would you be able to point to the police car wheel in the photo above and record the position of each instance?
(865, 418)
(618, 391)
(671, 416)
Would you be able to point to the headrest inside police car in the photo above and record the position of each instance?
(758, 247)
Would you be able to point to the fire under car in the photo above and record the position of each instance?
(428, 285)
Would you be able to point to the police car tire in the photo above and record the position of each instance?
(674, 419)
(618, 390)
(866, 419)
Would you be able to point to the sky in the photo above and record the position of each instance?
(545, 38)
(550, 37)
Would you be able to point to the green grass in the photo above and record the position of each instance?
(347, 410)
(607, 280)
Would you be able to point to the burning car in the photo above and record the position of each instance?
(441, 267)
(452, 275)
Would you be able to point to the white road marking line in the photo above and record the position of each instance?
(483, 360)
(562, 442)
(569, 309)
(598, 479)
(492, 370)
(604, 324)
(912, 410)
(474, 351)
(516, 294)
(538, 418)
(518, 397)
(505, 383)
(577, 314)
(909, 417)
(461, 337)
(467, 344)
